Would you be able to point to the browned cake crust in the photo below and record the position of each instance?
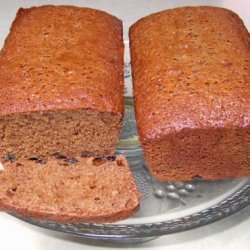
(61, 78)
(190, 71)
(90, 190)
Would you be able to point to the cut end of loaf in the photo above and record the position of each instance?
(40, 134)
(210, 154)
(87, 190)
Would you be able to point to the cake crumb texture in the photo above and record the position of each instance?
(65, 190)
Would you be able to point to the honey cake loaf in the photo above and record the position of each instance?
(190, 69)
(61, 83)
(69, 190)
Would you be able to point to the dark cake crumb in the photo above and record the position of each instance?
(37, 160)
(99, 160)
(41, 161)
(10, 157)
(59, 156)
(33, 158)
(71, 160)
(87, 154)
(18, 164)
(119, 162)
(111, 158)
(100, 156)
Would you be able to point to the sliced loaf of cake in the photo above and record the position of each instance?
(91, 189)
(61, 83)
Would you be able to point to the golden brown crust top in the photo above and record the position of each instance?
(62, 57)
(190, 70)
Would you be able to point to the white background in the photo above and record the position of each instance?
(230, 233)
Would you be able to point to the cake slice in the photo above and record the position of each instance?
(61, 83)
(88, 189)
(191, 79)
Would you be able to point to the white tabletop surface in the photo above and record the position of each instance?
(230, 233)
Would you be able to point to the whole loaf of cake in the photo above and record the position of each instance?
(61, 83)
(191, 78)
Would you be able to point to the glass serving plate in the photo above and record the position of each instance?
(166, 208)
